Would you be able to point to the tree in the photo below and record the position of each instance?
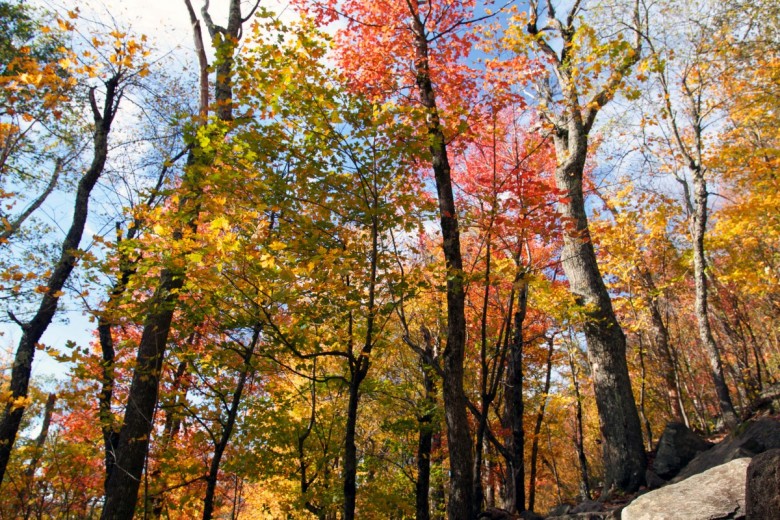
(434, 37)
(570, 117)
(132, 444)
(686, 82)
(116, 76)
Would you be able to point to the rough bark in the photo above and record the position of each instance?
(623, 451)
(579, 438)
(515, 407)
(425, 438)
(461, 505)
(538, 426)
(624, 458)
(123, 483)
(33, 330)
(698, 229)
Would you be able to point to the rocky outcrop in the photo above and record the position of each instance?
(762, 500)
(718, 493)
(676, 448)
(768, 400)
(749, 440)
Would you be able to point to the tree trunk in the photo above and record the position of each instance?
(33, 330)
(698, 229)
(461, 505)
(132, 447)
(105, 324)
(350, 450)
(538, 426)
(359, 369)
(425, 439)
(515, 406)
(579, 438)
(124, 480)
(227, 430)
(623, 451)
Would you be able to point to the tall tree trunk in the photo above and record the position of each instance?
(538, 425)
(698, 229)
(359, 369)
(33, 330)
(623, 451)
(124, 480)
(461, 505)
(579, 438)
(350, 449)
(425, 437)
(227, 429)
(515, 405)
(127, 268)
(122, 485)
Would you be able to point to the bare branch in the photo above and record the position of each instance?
(14, 226)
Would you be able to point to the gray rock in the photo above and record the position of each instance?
(653, 481)
(762, 500)
(598, 515)
(559, 510)
(768, 400)
(749, 440)
(588, 506)
(718, 493)
(676, 448)
(493, 513)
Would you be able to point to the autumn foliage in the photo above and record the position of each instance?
(335, 260)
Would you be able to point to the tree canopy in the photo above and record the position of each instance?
(387, 259)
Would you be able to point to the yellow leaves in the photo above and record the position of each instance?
(65, 25)
(195, 258)
(219, 223)
(158, 229)
(7, 399)
(266, 261)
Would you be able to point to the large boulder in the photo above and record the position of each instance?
(749, 440)
(762, 500)
(676, 448)
(768, 400)
(718, 493)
